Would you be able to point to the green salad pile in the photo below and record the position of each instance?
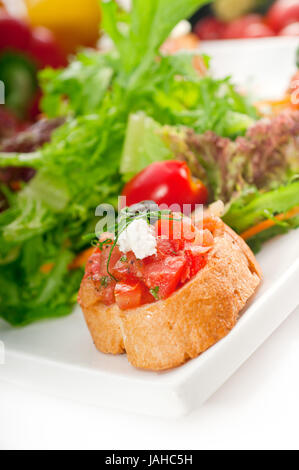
(99, 147)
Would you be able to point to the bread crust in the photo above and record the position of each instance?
(169, 332)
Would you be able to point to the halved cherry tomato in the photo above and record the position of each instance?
(128, 295)
(169, 183)
(282, 13)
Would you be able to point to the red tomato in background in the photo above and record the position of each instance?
(169, 183)
(257, 30)
(282, 13)
(8, 123)
(246, 26)
(290, 30)
(14, 34)
(209, 28)
(44, 48)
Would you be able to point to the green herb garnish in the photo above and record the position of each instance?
(155, 292)
(104, 281)
(128, 215)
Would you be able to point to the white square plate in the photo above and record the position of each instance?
(58, 356)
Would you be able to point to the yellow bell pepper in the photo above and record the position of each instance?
(74, 22)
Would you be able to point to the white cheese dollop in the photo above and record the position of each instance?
(138, 237)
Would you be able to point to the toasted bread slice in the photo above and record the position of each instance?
(167, 333)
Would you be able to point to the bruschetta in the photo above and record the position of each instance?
(170, 297)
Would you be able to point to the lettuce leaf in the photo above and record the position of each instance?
(252, 206)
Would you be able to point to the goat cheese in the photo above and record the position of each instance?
(138, 237)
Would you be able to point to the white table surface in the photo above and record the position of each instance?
(258, 408)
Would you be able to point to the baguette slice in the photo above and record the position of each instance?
(167, 333)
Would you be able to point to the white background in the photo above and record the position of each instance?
(258, 408)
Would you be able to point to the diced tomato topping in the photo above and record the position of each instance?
(96, 270)
(196, 260)
(210, 223)
(107, 291)
(128, 295)
(166, 247)
(182, 251)
(105, 254)
(204, 238)
(163, 276)
(175, 229)
(128, 268)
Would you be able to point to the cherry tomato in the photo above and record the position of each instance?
(44, 48)
(282, 13)
(169, 183)
(257, 30)
(290, 30)
(14, 34)
(235, 29)
(209, 28)
(128, 295)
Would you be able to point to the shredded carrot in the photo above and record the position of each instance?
(47, 268)
(81, 260)
(15, 186)
(276, 106)
(266, 224)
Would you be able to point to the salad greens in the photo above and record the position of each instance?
(252, 207)
(101, 145)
